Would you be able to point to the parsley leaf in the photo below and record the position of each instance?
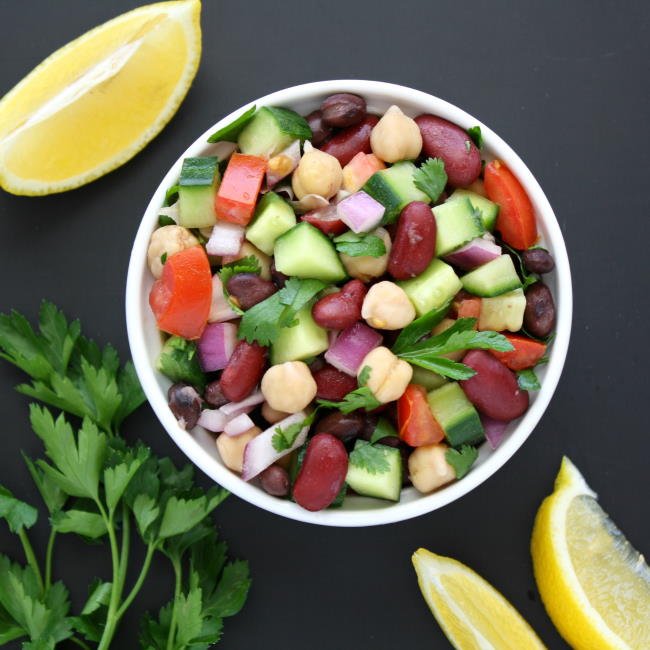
(179, 361)
(418, 328)
(384, 429)
(462, 459)
(370, 457)
(165, 220)
(527, 379)
(474, 132)
(285, 438)
(163, 258)
(18, 514)
(230, 132)
(262, 323)
(364, 376)
(359, 245)
(361, 398)
(249, 264)
(171, 196)
(431, 178)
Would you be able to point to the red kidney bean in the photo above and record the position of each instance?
(332, 384)
(344, 426)
(346, 144)
(341, 309)
(319, 130)
(537, 260)
(185, 404)
(539, 315)
(249, 289)
(244, 370)
(213, 394)
(322, 473)
(343, 109)
(493, 389)
(443, 139)
(414, 243)
(326, 220)
(275, 481)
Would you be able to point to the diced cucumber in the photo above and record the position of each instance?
(302, 341)
(488, 209)
(197, 189)
(436, 285)
(456, 415)
(394, 189)
(305, 252)
(492, 279)
(427, 378)
(385, 485)
(273, 217)
(456, 223)
(505, 312)
(271, 130)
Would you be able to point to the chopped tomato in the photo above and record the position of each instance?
(516, 220)
(526, 352)
(417, 426)
(359, 170)
(181, 298)
(239, 188)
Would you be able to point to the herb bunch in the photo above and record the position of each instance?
(96, 485)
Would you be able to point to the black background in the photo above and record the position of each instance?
(565, 84)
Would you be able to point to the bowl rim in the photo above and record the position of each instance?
(393, 512)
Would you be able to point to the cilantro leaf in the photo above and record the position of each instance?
(431, 178)
(360, 245)
(370, 457)
(18, 514)
(474, 132)
(384, 429)
(249, 264)
(230, 132)
(421, 326)
(360, 398)
(527, 379)
(462, 459)
(285, 438)
(179, 361)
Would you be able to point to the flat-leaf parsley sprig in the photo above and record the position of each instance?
(97, 486)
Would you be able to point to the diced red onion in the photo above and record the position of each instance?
(245, 406)
(220, 310)
(360, 212)
(494, 430)
(213, 420)
(292, 152)
(351, 346)
(309, 202)
(226, 239)
(216, 345)
(477, 252)
(260, 452)
(238, 425)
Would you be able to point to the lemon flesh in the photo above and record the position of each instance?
(595, 586)
(472, 613)
(97, 101)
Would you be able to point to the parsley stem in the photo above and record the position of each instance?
(111, 619)
(48, 559)
(79, 642)
(151, 548)
(126, 541)
(30, 557)
(176, 562)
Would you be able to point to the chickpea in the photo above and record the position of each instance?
(396, 137)
(168, 240)
(429, 469)
(365, 268)
(271, 415)
(317, 173)
(387, 307)
(389, 376)
(442, 326)
(289, 386)
(264, 260)
(231, 448)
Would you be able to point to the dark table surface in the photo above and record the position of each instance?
(565, 84)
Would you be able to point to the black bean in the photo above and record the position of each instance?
(343, 426)
(343, 109)
(319, 130)
(213, 394)
(275, 481)
(537, 260)
(185, 403)
(539, 316)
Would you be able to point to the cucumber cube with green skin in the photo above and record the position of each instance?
(456, 224)
(504, 312)
(271, 130)
(305, 252)
(488, 209)
(384, 485)
(435, 286)
(304, 340)
(198, 186)
(394, 189)
(492, 279)
(456, 415)
(273, 217)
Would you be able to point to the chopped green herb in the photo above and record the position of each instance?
(355, 245)
(431, 178)
(179, 361)
(361, 398)
(171, 196)
(364, 375)
(285, 438)
(527, 379)
(230, 132)
(370, 457)
(384, 429)
(413, 332)
(163, 258)
(462, 459)
(474, 132)
(164, 220)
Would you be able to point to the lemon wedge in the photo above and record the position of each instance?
(472, 613)
(595, 586)
(97, 101)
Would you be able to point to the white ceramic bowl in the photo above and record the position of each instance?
(199, 446)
